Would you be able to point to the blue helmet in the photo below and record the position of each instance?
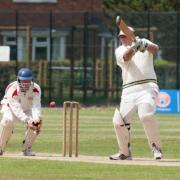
(24, 74)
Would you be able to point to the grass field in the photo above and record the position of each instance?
(96, 138)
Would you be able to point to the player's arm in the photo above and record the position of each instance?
(16, 108)
(149, 46)
(36, 105)
(129, 53)
(152, 48)
(36, 108)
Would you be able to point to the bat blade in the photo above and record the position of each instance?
(124, 27)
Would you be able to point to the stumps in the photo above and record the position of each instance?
(69, 118)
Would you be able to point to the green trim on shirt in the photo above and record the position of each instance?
(139, 82)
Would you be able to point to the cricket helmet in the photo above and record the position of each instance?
(25, 74)
(24, 79)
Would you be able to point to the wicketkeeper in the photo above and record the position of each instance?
(21, 102)
(139, 94)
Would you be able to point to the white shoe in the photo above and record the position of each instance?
(157, 152)
(28, 152)
(120, 156)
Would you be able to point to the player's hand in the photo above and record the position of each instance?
(35, 125)
(144, 45)
(137, 44)
(31, 126)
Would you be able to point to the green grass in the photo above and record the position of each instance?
(96, 137)
(12, 169)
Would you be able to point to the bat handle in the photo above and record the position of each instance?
(118, 20)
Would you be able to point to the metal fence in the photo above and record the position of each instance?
(71, 54)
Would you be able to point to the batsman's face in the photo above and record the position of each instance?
(125, 40)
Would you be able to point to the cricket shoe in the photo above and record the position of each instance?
(28, 152)
(157, 152)
(120, 156)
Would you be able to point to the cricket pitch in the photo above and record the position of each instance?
(97, 159)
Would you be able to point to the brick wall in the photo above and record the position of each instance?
(64, 5)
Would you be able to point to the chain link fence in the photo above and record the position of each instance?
(71, 54)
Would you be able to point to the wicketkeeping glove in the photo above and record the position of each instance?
(35, 126)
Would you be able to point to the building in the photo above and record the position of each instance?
(49, 29)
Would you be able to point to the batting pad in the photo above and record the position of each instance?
(122, 135)
(6, 130)
(117, 119)
(30, 137)
(152, 130)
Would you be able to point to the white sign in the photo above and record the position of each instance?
(4, 53)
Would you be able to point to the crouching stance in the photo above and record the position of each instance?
(21, 102)
(139, 93)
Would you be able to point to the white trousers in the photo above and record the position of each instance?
(143, 102)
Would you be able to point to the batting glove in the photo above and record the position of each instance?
(137, 44)
(144, 45)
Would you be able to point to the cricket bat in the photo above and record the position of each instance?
(124, 27)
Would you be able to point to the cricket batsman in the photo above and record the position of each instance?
(139, 92)
(21, 102)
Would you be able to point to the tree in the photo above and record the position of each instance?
(141, 5)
